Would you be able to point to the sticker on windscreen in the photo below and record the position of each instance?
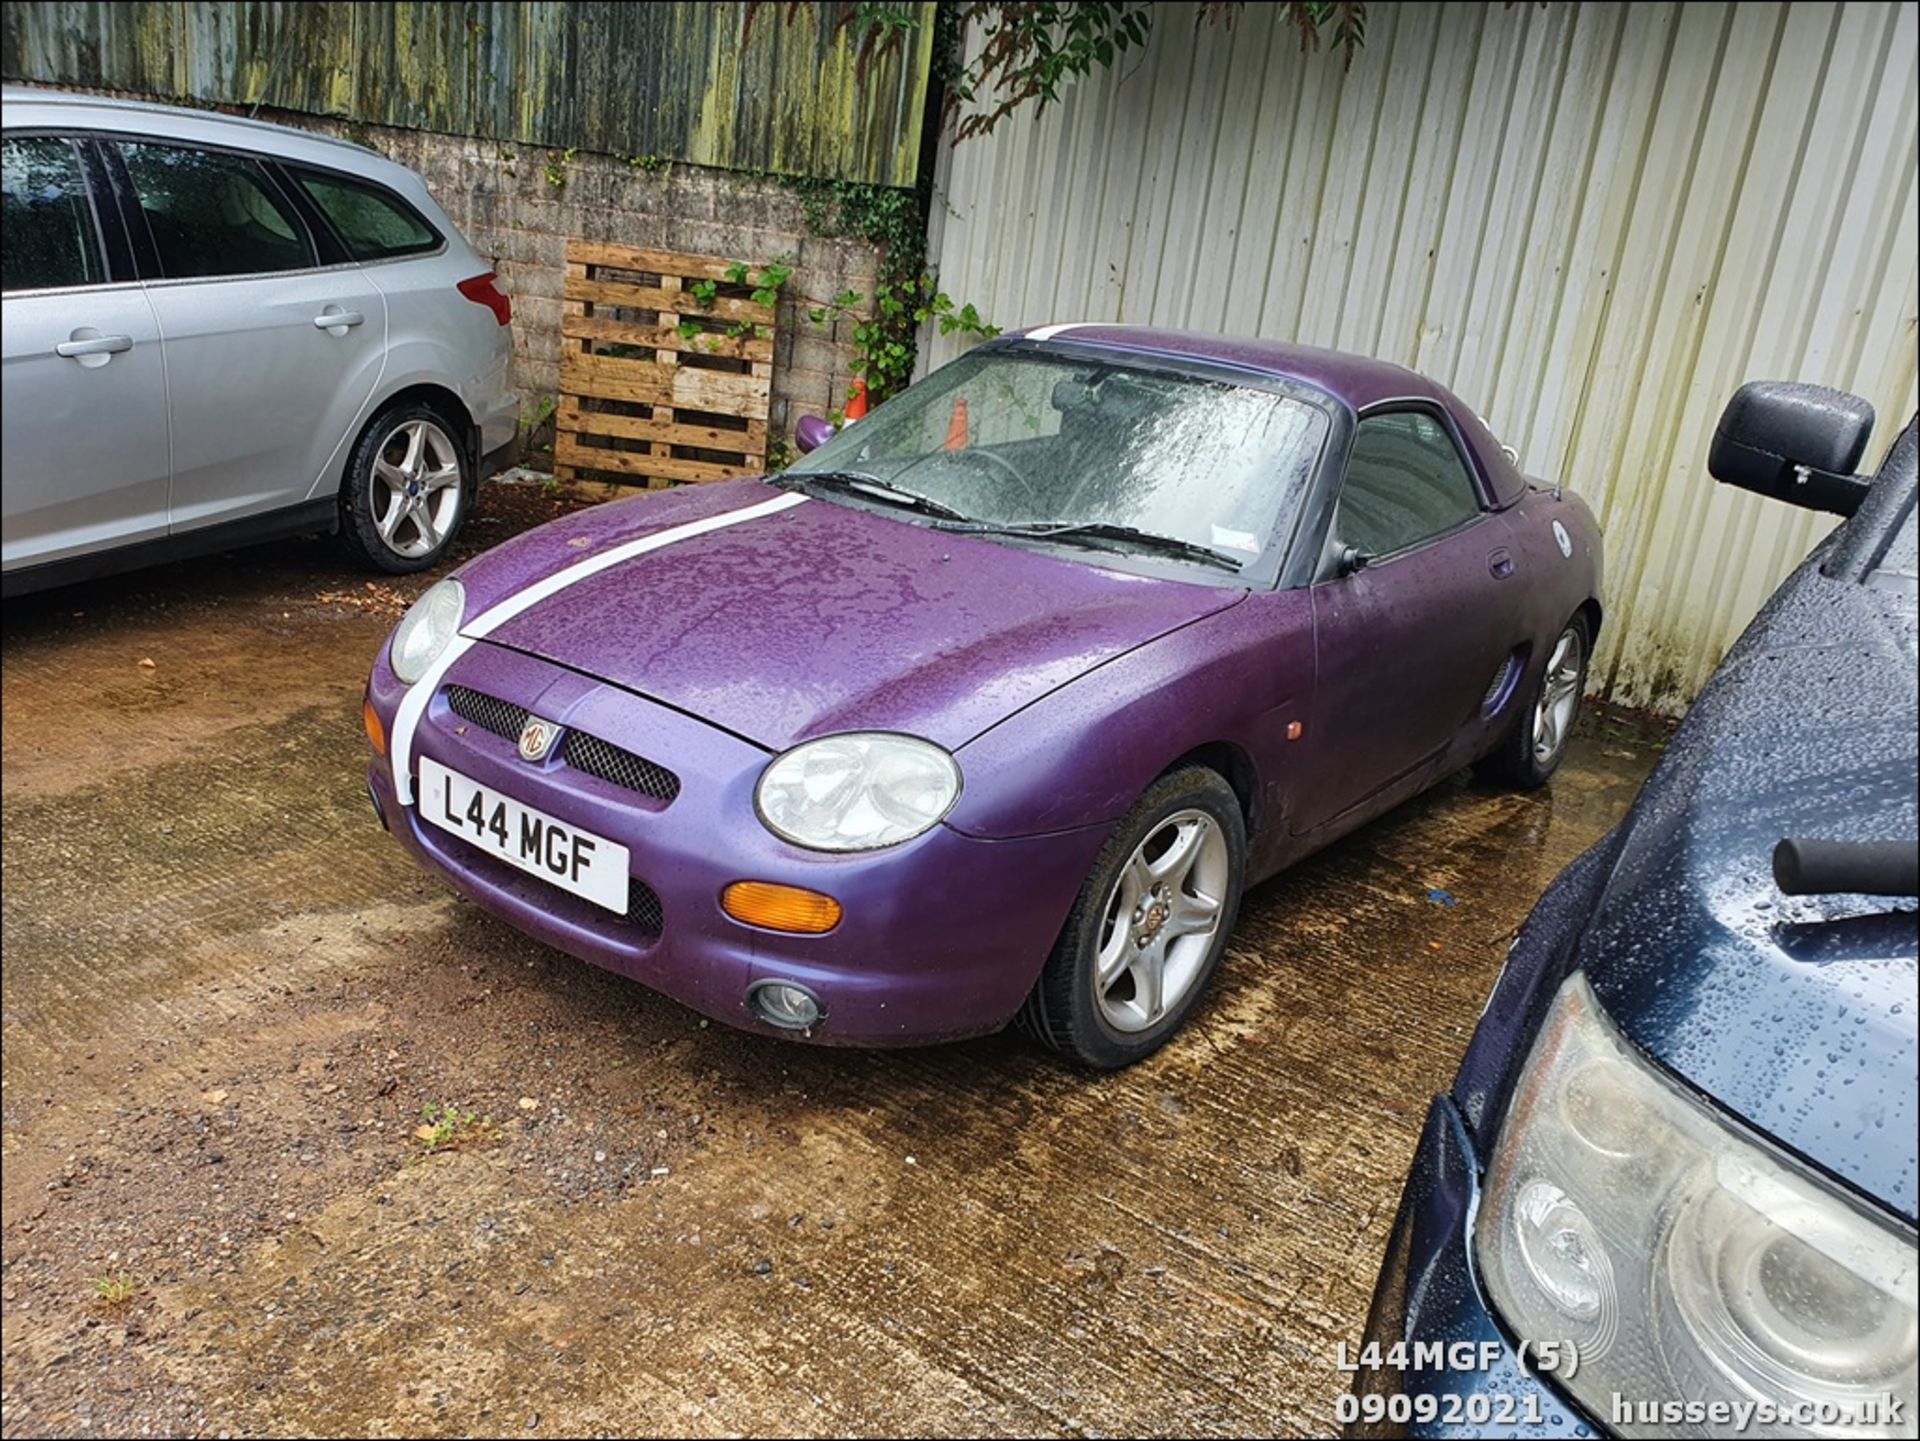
(1242, 540)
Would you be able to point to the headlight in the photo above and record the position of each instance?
(427, 628)
(1684, 1260)
(857, 792)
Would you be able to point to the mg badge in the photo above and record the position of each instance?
(1560, 538)
(537, 738)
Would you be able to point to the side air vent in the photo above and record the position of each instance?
(1501, 686)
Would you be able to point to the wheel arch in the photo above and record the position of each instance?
(446, 403)
(1590, 610)
(1233, 765)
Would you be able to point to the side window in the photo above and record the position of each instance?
(376, 224)
(214, 214)
(1405, 483)
(48, 220)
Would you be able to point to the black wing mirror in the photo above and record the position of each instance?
(1793, 442)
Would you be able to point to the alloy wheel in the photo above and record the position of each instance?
(1161, 920)
(1559, 700)
(414, 488)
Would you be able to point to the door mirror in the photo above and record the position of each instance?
(1793, 442)
(810, 433)
(1352, 558)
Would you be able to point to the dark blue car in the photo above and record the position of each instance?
(1672, 1188)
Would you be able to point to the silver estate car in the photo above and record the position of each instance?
(218, 331)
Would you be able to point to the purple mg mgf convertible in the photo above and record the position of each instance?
(995, 704)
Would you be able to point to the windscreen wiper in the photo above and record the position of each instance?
(1105, 535)
(1803, 867)
(858, 482)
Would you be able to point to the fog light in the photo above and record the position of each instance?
(780, 908)
(783, 1004)
(376, 732)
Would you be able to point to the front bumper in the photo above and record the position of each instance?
(1457, 1373)
(942, 937)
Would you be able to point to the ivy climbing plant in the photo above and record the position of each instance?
(884, 338)
(764, 286)
(906, 293)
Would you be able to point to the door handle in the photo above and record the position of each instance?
(1500, 563)
(338, 319)
(94, 345)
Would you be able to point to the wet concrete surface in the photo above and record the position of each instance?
(228, 998)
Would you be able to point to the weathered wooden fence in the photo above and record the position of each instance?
(683, 81)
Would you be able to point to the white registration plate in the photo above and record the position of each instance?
(525, 838)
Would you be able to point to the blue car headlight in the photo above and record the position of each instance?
(1682, 1259)
(857, 792)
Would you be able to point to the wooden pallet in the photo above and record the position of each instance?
(642, 404)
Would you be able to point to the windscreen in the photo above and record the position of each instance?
(1014, 438)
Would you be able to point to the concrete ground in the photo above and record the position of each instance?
(228, 998)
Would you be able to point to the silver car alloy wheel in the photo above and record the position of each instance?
(1559, 699)
(1161, 920)
(414, 488)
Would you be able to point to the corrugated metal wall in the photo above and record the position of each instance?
(672, 81)
(1592, 221)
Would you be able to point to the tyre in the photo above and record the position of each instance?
(1537, 741)
(406, 490)
(1149, 926)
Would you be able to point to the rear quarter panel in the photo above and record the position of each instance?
(1559, 581)
(436, 336)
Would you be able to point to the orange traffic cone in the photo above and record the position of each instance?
(856, 401)
(957, 426)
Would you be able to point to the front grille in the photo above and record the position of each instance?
(581, 751)
(619, 767)
(644, 914)
(643, 908)
(487, 712)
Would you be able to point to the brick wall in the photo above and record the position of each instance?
(502, 198)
